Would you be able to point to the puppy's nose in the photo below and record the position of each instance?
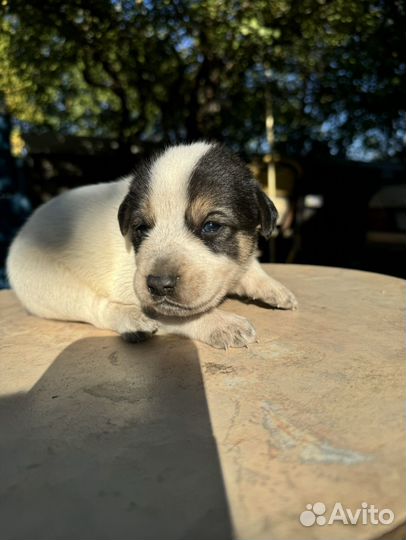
(161, 285)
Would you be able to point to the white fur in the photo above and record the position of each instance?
(169, 180)
(72, 236)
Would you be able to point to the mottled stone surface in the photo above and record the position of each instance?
(170, 439)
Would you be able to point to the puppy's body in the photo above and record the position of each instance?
(188, 222)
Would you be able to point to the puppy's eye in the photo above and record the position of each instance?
(211, 227)
(141, 229)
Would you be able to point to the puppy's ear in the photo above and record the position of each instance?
(268, 214)
(124, 215)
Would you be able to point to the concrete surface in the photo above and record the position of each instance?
(171, 439)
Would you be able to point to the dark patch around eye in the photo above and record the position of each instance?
(142, 228)
(139, 231)
(136, 203)
(224, 242)
(225, 180)
(134, 200)
(137, 239)
(211, 227)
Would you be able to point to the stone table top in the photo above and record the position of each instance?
(171, 439)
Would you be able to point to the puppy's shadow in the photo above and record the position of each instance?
(114, 441)
(247, 300)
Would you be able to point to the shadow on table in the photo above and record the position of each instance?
(114, 441)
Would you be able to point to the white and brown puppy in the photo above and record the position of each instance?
(186, 237)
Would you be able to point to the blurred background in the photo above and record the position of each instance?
(311, 94)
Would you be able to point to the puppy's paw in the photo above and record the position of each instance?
(279, 297)
(217, 328)
(130, 323)
(258, 285)
(138, 328)
(232, 331)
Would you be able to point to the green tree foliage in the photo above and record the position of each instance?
(150, 71)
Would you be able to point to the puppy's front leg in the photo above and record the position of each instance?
(126, 319)
(217, 328)
(256, 284)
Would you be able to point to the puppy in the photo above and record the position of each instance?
(185, 238)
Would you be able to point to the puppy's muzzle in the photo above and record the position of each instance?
(164, 285)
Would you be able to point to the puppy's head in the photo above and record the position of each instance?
(192, 215)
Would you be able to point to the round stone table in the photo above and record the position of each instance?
(171, 439)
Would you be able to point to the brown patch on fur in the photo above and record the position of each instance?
(199, 209)
(147, 212)
(246, 245)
